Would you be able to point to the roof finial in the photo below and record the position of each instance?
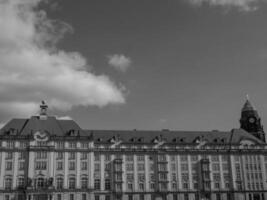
(43, 107)
(247, 97)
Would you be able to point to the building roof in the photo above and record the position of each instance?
(51, 125)
(56, 127)
(181, 137)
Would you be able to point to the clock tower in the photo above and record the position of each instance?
(251, 122)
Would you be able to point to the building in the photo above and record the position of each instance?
(43, 158)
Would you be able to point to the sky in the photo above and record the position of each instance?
(134, 64)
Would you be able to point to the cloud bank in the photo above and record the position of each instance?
(33, 69)
(242, 5)
(119, 61)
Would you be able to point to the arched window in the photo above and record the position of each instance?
(84, 182)
(8, 183)
(40, 182)
(60, 182)
(72, 181)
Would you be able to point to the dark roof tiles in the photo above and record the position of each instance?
(56, 127)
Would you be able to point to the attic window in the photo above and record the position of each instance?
(99, 139)
(11, 131)
(223, 140)
(113, 139)
(197, 140)
(182, 140)
(215, 140)
(133, 139)
(141, 139)
(73, 132)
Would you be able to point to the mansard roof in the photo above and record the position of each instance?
(167, 136)
(51, 125)
(62, 128)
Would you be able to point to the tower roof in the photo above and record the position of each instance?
(248, 105)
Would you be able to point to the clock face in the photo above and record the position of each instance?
(251, 119)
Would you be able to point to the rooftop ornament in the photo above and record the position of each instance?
(43, 112)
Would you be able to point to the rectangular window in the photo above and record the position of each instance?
(59, 165)
(60, 145)
(107, 166)
(184, 167)
(183, 158)
(224, 158)
(71, 196)
(152, 185)
(140, 167)
(172, 158)
(97, 197)
(84, 145)
(21, 165)
(151, 166)
(97, 184)
(107, 157)
(107, 184)
(83, 196)
(215, 158)
(59, 155)
(129, 158)
(141, 186)
(8, 165)
(71, 155)
(129, 177)
(173, 177)
(40, 165)
(9, 155)
(84, 166)
(141, 177)
(58, 196)
(129, 167)
(140, 158)
(22, 155)
(162, 158)
(97, 167)
(72, 145)
(71, 165)
(97, 157)
(130, 185)
(194, 158)
(215, 167)
(83, 156)
(41, 155)
(10, 144)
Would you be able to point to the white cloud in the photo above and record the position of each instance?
(242, 5)
(33, 69)
(64, 118)
(119, 62)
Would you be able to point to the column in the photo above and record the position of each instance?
(2, 169)
(66, 169)
(15, 169)
(147, 172)
(78, 169)
(102, 170)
